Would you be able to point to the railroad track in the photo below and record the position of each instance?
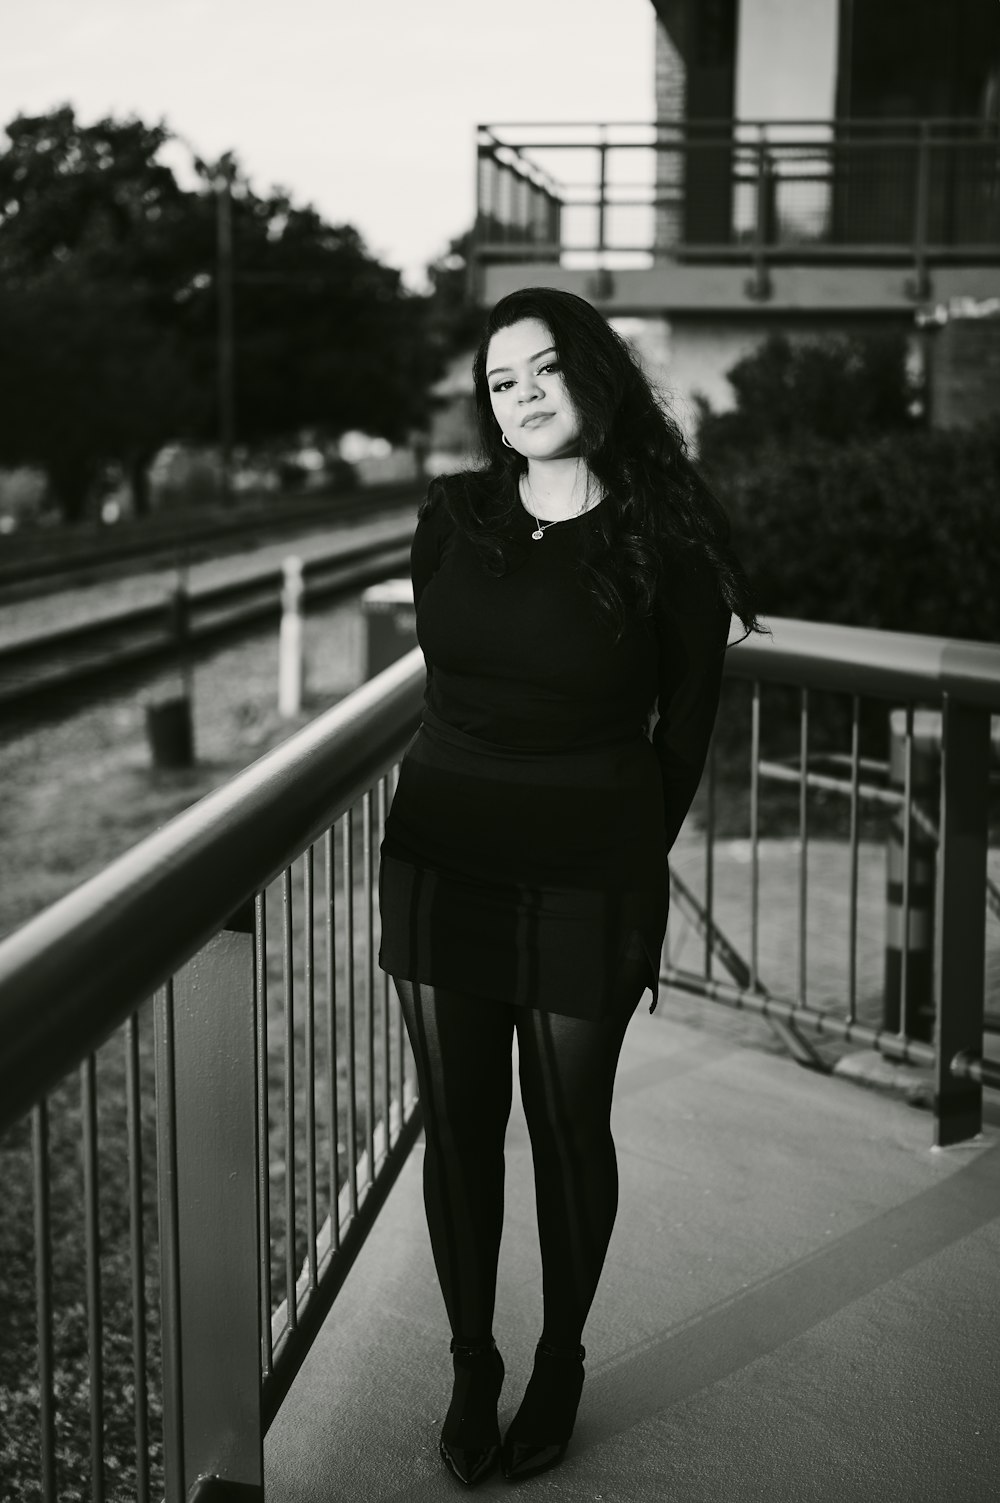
(65, 668)
(32, 565)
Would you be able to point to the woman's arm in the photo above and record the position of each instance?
(692, 625)
(425, 549)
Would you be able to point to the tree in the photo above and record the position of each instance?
(455, 318)
(846, 507)
(326, 336)
(90, 371)
(832, 389)
(71, 397)
(109, 286)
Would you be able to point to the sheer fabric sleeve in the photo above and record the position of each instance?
(692, 625)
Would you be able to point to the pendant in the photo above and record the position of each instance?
(537, 535)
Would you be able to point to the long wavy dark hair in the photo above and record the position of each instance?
(635, 450)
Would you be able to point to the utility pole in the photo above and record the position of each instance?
(223, 181)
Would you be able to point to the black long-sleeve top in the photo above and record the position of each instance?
(523, 660)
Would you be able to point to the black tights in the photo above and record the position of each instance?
(462, 1046)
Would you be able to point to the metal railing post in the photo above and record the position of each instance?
(758, 286)
(602, 191)
(961, 917)
(919, 287)
(911, 854)
(205, 1082)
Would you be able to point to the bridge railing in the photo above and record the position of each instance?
(763, 191)
(205, 1095)
(205, 1091)
(844, 888)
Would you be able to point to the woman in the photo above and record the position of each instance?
(578, 580)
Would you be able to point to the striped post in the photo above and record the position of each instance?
(908, 997)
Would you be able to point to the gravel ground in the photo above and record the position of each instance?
(75, 794)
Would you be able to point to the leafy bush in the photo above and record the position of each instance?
(900, 532)
(839, 388)
(845, 507)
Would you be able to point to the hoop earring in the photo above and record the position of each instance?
(505, 440)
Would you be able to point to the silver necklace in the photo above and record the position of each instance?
(540, 527)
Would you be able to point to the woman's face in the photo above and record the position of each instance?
(529, 396)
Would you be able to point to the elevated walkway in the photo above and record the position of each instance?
(799, 1303)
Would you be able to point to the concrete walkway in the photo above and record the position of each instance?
(800, 1303)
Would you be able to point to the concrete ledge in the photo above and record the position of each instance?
(868, 1067)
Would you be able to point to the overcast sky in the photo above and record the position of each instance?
(365, 108)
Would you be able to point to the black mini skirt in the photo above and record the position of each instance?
(528, 877)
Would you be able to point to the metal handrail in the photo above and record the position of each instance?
(73, 974)
(730, 120)
(69, 977)
(841, 221)
(866, 660)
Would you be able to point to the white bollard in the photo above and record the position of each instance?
(290, 644)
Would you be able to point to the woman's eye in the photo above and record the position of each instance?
(551, 365)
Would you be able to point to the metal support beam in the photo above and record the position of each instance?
(206, 1072)
(961, 918)
(224, 312)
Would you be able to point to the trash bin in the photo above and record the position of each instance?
(170, 731)
(390, 623)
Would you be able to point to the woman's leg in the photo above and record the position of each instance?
(462, 1048)
(567, 1074)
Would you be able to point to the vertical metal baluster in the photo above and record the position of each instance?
(166, 1169)
(331, 1030)
(385, 1004)
(137, 1256)
(400, 1029)
(349, 1041)
(907, 861)
(489, 188)
(710, 862)
(852, 962)
(665, 961)
(288, 986)
(92, 1243)
(602, 192)
(755, 837)
(43, 1298)
(803, 838)
(369, 899)
(400, 1053)
(263, 1145)
(310, 1066)
(384, 1001)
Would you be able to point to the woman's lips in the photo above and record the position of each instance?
(536, 418)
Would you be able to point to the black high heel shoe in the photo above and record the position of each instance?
(470, 1438)
(540, 1430)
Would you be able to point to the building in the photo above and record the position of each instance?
(815, 165)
